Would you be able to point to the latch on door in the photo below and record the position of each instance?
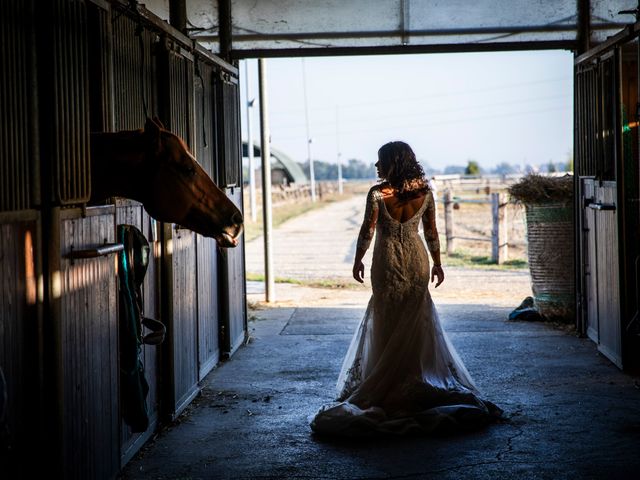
(602, 206)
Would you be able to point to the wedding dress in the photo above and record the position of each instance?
(401, 374)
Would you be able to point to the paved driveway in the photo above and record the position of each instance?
(321, 245)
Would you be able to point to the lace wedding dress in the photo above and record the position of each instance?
(401, 374)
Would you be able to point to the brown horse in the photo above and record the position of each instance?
(154, 167)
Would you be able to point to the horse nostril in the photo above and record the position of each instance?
(237, 218)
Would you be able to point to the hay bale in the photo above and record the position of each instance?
(535, 189)
(549, 215)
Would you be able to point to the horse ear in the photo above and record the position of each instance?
(157, 121)
(152, 131)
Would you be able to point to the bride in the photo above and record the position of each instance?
(401, 374)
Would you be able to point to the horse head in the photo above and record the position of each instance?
(178, 190)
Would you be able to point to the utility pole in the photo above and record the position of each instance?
(270, 294)
(252, 166)
(338, 150)
(312, 177)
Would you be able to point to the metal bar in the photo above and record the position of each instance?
(178, 14)
(238, 54)
(338, 154)
(407, 34)
(312, 177)
(405, 21)
(207, 55)
(584, 26)
(101, 251)
(265, 150)
(252, 173)
(224, 27)
(601, 206)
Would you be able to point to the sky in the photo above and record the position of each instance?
(513, 107)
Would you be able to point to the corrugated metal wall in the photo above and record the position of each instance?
(18, 166)
(66, 91)
(100, 67)
(134, 73)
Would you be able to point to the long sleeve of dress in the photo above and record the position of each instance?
(430, 229)
(368, 227)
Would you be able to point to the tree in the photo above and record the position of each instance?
(569, 167)
(505, 168)
(454, 170)
(353, 169)
(472, 168)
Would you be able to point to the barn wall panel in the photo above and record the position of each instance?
(608, 276)
(233, 291)
(19, 336)
(183, 329)
(88, 347)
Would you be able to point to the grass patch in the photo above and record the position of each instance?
(469, 260)
(286, 211)
(318, 283)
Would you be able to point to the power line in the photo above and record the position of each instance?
(432, 95)
(435, 124)
(433, 112)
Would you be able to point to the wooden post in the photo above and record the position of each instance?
(499, 240)
(448, 221)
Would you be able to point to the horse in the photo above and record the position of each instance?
(155, 167)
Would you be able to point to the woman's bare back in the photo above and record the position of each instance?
(400, 210)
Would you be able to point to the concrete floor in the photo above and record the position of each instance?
(569, 412)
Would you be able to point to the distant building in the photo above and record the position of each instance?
(284, 170)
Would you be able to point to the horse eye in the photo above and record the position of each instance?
(188, 170)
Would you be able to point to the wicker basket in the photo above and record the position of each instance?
(551, 258)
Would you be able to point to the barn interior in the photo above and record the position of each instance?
(71, 68)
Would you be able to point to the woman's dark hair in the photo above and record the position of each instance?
(402, 171)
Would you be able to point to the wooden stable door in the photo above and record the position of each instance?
(602, 280)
